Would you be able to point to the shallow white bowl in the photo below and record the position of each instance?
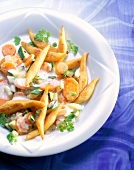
(101, 63)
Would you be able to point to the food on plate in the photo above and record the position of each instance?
(42, 89)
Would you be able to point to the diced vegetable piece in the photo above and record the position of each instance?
(74, 106)
(8, 127)
(21, 52)
(20, 68)
(55, 97)
(70, 73)
(7, 65)
(8, 91)
(77, 73)
(13, 72)
(36, 91)
(53, 104)
(11, 79)
(51, 95)
(13, 88)
(12, 124)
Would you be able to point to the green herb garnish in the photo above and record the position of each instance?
(12, 137)
(54, 44)
(17, 40)
(42, 35)
(3, 119)
(10, 74)
(52, 77)
(37, 114)
(32, 44)
(36, 91)
(65, 73)
(72, 93)
(37, 78)
(32, 118)
(71, 47)
(67, 124)
(52, 65)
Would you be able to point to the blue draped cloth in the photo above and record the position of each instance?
(112, 147)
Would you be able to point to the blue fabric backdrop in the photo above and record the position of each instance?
(112, 147)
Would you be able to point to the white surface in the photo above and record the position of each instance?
(101, 63)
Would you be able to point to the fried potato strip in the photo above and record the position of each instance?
(13, 106)
(86, 94)
(54, 56)
(62, 45)
(40, 44)
(50, 119)
(83, 80)
(74, 63)
(32, 72)
(30, 49)
(40, 120)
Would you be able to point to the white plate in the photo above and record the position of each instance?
(101, 63)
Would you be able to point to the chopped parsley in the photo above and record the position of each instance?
(54, 44)
(52, 77)
(67, 124)
(72, 93)
(71, 47)
(32, 44)
(12, 137)
(36, 91)
(3, 119)
(42, 35)
(65, 73)
(35, 80)
(17, 40)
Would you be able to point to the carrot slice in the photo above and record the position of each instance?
(46, 67)
(50, 87)
(6, 66)
(29, 60)
(61, 68)
(8, 49)
(61, 98)
(71, 89)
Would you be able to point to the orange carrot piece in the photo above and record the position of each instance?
(71, 89)
(8, 49)
(29, 60)
(6, 66)
(61, 98)
(61, 68)
(46, 67)
(50, 87)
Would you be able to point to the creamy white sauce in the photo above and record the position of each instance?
(3, 94)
